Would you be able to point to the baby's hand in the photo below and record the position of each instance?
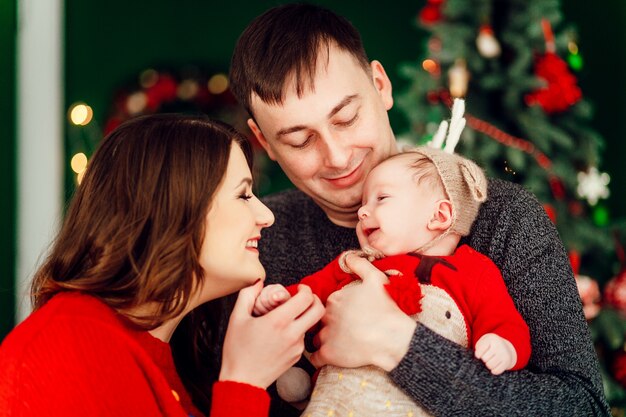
(496, 352)
(269, 298)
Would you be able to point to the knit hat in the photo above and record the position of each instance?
(465, 185)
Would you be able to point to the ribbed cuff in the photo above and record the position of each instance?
(238, 399)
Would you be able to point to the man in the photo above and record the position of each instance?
(319, 108)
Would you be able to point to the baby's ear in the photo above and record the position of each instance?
(442, 216)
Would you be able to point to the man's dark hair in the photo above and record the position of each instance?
(286, 41)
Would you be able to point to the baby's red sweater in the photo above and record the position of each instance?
(77, 357)
(470, 278)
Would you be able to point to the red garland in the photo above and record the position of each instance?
(561, 90)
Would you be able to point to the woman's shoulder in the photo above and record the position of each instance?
(66, 316)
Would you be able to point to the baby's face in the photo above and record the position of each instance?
(396, 210)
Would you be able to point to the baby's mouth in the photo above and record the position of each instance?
(369, 230)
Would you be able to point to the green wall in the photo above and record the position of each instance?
(7, 164)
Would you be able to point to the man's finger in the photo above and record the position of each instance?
(365, 270)
(311, 316)
(317, 359)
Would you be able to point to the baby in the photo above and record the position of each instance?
(416, 207)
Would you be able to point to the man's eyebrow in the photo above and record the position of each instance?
(344, 103)
(288, 130)
(347, 100)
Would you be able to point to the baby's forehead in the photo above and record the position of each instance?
(396, 165)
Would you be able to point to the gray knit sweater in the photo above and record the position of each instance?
(562, 378)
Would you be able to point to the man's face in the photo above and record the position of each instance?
(329, 139)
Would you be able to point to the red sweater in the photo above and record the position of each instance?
(470, 278)
(77, 357)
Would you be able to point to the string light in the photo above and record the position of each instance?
(80, 114)
(79, 162)
(218, 84)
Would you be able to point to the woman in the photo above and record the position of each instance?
(163, 222)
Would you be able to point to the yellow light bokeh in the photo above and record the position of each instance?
(573, 48)
(79, 177)
(81, 114)
(79, 162)
(218, 84)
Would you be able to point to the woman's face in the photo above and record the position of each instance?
(229, 254)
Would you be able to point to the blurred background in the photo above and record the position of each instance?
(543, 82)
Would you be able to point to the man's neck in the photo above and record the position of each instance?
(349, 220)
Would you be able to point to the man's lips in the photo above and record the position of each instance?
(347, 180)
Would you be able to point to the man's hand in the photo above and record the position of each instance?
(496, 352)
(362, 324)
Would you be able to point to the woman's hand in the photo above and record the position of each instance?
(257, 350)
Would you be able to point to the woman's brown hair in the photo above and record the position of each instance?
(134, 228)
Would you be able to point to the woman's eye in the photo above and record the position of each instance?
(382, 197)
(245, 197)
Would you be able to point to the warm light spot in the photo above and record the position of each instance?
(330, 413)
(340, 376)
(218, 84)
(79, 177)
(388, 404)
(573, 48)
(148, 78)
(136, 102)
(81, 114)
(363, 383)
(430, 66)
(187, 90)
(79, 162)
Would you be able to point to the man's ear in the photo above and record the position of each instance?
(261, 139)
(442, 216)
(382, 83)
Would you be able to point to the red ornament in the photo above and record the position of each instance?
(615, 292)
(618, 367)
(431, 13)
(163, 90)
(589, 292)
(561, 90)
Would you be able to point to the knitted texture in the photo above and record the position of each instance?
(76, 357)
(512, 228)
(465, 185)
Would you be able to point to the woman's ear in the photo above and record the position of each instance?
(442, 216)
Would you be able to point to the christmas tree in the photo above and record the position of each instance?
(515, 62)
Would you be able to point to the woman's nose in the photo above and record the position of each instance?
(265, 217)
